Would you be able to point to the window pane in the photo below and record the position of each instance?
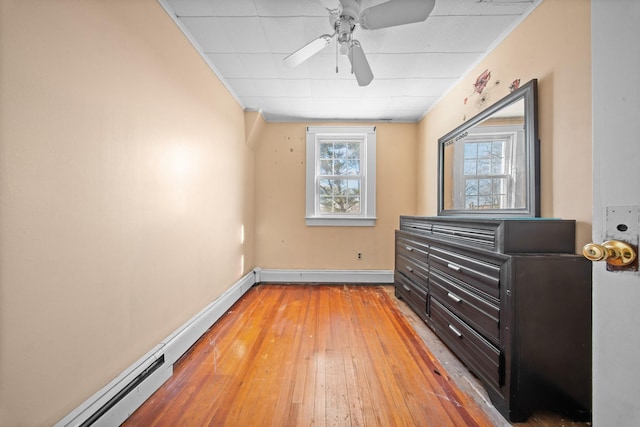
(485, 186)
(339, 167)
(339, 195)
(353, 150)
(340, 150)
(353, 167)
(471, 187)
(470, 150)
(497, 149)
(326, 150)
(470, 167)
(485, 202)
(497, 166)
(484, 167)
(471, 202)
(484, 150)
(326, 167)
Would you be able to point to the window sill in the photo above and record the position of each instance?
(340, 222)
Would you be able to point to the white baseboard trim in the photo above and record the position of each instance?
(136, 390)
(137, 383)
(324, 276)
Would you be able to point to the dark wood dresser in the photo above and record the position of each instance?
(511, 299)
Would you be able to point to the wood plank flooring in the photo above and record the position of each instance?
(311, 355)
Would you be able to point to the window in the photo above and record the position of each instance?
(341, 166)
(489, 171)
(486, 174)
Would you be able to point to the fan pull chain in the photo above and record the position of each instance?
(351, 56)
(337, 48)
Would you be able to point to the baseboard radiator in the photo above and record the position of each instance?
(115, 402)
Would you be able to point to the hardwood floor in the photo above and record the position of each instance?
(310, 355)
(321, 355)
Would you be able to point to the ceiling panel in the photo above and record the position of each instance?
(213, 7)
(413, 65)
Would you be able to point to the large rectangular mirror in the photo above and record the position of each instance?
(489, 165)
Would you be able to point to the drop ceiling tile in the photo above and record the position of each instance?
(229, 65)
(259, 65)
(287, 35)
(410, 102)
(429, 87)
(405, 38)
(213, 7)
(444, 65)
(381, 87)
(282, 88)
(289, 8)
(208, 34)
(336, 88)
(463, 33)
(244, 34)
(282, 106)
(342, 105)
(474, 7)
(243, 87)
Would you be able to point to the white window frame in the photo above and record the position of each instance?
(514, 143)
(367, 217)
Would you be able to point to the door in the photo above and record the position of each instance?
(616, 196)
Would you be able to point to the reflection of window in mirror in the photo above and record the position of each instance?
(489, 169)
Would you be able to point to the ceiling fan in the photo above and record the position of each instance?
(344, 15)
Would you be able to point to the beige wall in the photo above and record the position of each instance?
(124, 183)
(553, 45)
(282, 238)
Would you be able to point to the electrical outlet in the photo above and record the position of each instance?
(359, 255)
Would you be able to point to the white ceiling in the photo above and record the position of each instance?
(414, 65)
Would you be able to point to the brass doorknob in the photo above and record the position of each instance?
(613, 251)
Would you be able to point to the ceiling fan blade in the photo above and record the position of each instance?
(395, 12)
(331, 4)
(307, 51)
(359, 64)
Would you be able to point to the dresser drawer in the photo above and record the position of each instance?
(480, 275)
(413, 295)
(412, 247)
(478, 354)
(479, 313)
(416, 270)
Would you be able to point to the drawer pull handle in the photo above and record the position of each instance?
(410, 269)
(455, 331)
(409, 248)
(453, 267)
(454, 297)
(406, 288)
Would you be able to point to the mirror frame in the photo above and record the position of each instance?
(528, 92)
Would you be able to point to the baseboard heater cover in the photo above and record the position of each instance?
(124, 392)
(115, 402)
